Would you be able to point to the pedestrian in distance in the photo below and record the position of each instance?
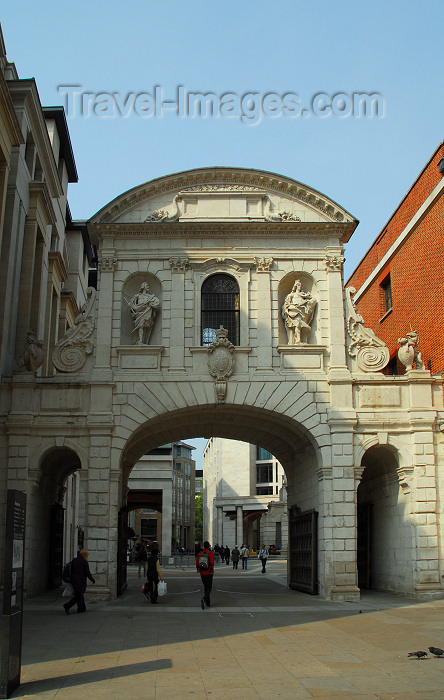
(263, 556)
(141, 558)
(79, 573)
(244, 554)
(235, 555)
(205, 566)
(153, 574)
(227, 554)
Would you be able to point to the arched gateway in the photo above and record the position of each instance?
(220, 311)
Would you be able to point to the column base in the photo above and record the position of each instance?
(428, 590)
(95, 592)
(345, 593)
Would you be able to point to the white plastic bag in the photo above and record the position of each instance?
(162, 588)
(68, 591)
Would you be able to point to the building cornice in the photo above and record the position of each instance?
(199, 229)
(8, 116)
(24, 94)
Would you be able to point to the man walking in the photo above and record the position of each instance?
(263, 556)
(244, 556)
(205, 566)
(235, 554)
(79, 573)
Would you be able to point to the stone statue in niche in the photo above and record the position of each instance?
(143, 308)
(408, 353)
(297, 312)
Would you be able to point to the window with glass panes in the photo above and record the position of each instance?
(220, 307)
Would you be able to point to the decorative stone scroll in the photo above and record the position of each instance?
(369, 351)
(32, 356)
(221, 361)
(69, 354)
(408, 353)
(162, 216)
(263, 264)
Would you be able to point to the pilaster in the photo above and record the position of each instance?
(179, 266)
(107, 265)
(264, 323)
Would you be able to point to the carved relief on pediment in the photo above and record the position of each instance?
(225, 194)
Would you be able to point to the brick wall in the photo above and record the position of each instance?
(416, 274)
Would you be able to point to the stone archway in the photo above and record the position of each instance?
(294, 446)
(385, 526)
(45, 518)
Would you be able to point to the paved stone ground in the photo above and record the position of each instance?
(259, 640)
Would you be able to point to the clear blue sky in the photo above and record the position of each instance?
(393, 48)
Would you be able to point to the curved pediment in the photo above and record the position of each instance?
(222, 194)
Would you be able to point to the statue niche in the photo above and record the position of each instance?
(143, 308)
(298, 311)
(140, 310)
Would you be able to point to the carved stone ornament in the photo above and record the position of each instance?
(369, 351)
(298, 311)
(179, 264)
(408, 353)
(278, 215)
(32, 356)
(69, 354)
(333, 263)
(143, 309)
(162, 216)
(221, 359)
(263, 264)
(107, 264)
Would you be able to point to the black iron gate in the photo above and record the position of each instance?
(303, 546)
(56, 546)
(122, 544)
(364, 542)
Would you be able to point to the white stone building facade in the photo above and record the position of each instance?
(345, 434)
(244, 496)
(82, 399)
(164, 478)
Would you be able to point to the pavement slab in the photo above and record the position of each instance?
(258, 640)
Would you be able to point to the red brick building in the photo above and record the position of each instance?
(400, 280)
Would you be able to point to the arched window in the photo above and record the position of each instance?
(220, 307)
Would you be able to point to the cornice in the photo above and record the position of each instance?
(57, 264)
(24, 94)
(8, 115)
(199, 229)
(39, 195)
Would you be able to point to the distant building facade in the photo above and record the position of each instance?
(164, 479)
(245, 500)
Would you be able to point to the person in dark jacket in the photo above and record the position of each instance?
(79, 573)
(227, 554)
(235, 554)
(154, 573)
(206, 575)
